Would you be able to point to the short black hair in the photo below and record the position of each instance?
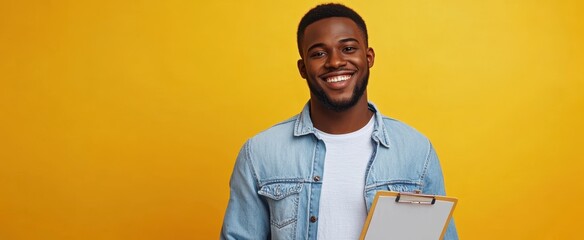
(327, 11)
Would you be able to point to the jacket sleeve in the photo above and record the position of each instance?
(434, 184)
(247, 215)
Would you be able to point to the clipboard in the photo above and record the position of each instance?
(396, 215)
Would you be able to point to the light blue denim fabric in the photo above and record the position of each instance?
(276, 182)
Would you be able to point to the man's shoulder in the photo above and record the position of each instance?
(277, 141)
(277, 132)
(400, 131)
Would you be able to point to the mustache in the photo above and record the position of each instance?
(340, 69)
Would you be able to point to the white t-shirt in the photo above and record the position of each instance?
(342, 210)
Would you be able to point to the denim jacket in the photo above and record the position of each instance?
(276, 182)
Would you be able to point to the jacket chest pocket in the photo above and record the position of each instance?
(283, 200)
(399, 186)
(404, 187)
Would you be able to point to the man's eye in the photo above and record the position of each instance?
(318, 54)
(350, 49)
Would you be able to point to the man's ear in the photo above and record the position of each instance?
(370, 57)
(301, 68)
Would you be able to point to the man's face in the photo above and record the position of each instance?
(335, 62)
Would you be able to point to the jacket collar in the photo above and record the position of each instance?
(303, 125)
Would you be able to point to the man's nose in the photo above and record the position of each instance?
(335, 60)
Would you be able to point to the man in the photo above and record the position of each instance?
(315, 175)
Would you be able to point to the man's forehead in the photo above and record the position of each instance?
(330, 27)
(332, 23)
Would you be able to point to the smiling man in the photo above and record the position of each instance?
(314, 176)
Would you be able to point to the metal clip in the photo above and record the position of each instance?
(415, 198)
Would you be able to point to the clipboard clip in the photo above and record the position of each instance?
(415, 198)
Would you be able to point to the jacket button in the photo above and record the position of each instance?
(313, 219)
(316, 178)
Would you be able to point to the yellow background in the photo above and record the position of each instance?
(122, 119)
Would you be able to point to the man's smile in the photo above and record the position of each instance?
(338, 78)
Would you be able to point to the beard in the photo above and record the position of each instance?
(341, 105)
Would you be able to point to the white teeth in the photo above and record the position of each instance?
(338, 78)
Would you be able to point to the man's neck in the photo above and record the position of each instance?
(334, 122)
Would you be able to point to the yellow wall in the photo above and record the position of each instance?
(122, 119)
